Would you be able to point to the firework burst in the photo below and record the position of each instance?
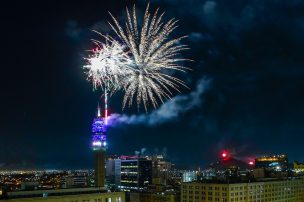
(107, 64)
(152, 52)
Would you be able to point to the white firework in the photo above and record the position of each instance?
(106, 64)
(153, 54)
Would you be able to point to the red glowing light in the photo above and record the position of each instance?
(106, 113)
(224, 154)
(250, 163)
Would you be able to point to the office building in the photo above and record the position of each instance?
(291, 190)
(160, 170)
(113, 169)
(136, 173)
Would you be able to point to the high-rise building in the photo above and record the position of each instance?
(291, 189)
(161, 169)
(113, 170)
(136, 174)
(121, 169)
(99, 145)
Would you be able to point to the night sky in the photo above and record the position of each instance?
(246, 96)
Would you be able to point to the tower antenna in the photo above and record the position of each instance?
(98, 110)
(106, 104)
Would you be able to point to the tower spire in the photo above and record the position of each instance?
(98, 110)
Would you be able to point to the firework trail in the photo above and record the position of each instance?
(153, 54)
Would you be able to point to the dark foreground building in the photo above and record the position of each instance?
(95, 194)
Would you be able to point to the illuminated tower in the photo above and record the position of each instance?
(99, 145)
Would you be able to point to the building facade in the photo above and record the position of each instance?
(298, 167)
(136, 174)
(154, 197)
(66, 195)
(113, 175)
(272, 163)
(189, 176)
(291, 190)
(160, 170)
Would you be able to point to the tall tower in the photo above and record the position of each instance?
(99, 145)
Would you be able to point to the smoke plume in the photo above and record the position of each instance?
(170, 110)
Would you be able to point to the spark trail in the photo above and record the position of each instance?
(107, 64)
(152, 54)
(141, 60)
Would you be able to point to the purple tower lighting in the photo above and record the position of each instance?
(99, 138)
(99, 146)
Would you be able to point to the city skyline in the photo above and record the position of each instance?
(245, 91)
